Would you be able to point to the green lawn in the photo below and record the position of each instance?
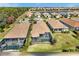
(41, 48)
(64, 41)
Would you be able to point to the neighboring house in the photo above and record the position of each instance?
(73, 24)
(56, 15)
(47, 15)
(38, 14)
(25, 20)
(29, 14)
(37, 19)
(16, 37)
(56, 25)
(40, 33)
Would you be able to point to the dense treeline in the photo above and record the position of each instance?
(9, 14)
(13, 11)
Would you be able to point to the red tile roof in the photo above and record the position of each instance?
(39, 28)
(18, 31)
(71, 22)
(56, 24)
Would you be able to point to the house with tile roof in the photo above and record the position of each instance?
(16, 37)
(29, 14)
(73, 24)
(56, 25)
(40, 32)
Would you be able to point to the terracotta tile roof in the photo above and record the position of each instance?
(39, 28)
(18, 31)
(71, 22)
(56, 24)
